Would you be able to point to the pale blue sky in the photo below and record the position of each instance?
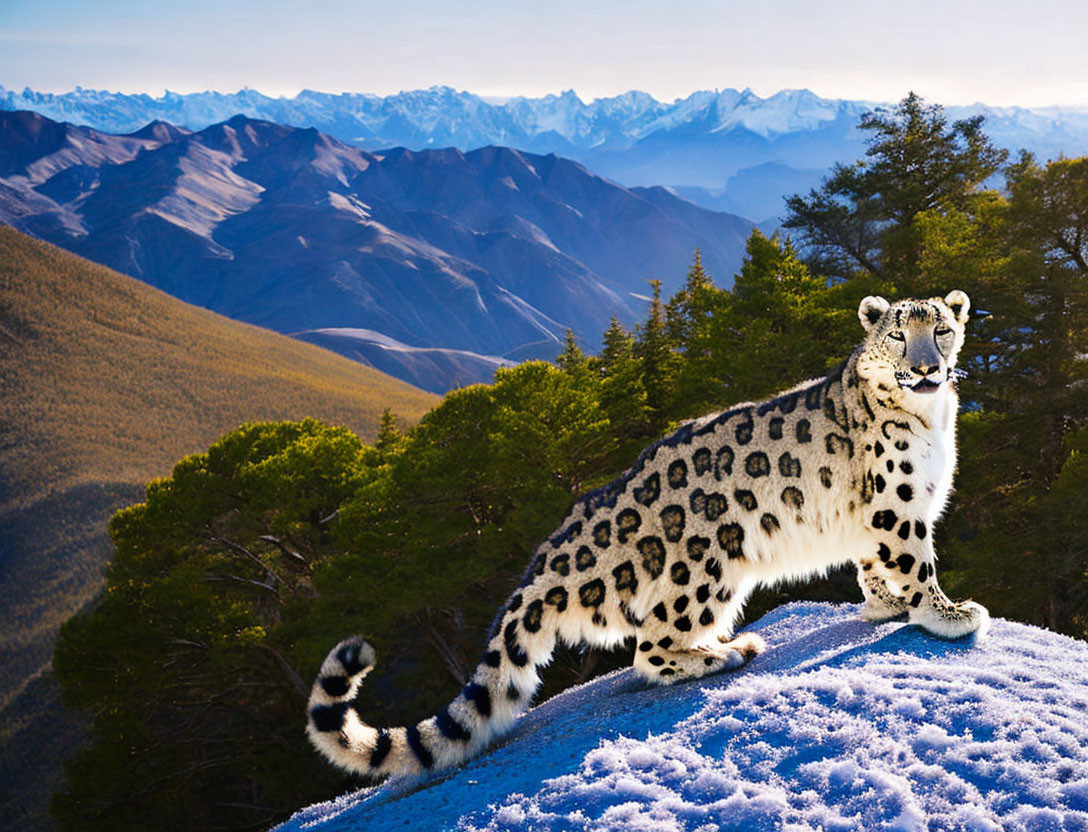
(950, 51)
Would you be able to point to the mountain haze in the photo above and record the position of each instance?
(700, 141)
(493, 252)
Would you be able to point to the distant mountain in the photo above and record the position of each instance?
(489, 253)
(699, 141)
(756, 192)
(104, 384)
(441, 116)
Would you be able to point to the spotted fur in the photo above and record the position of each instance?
(852, 467)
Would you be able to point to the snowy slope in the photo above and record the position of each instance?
(841, 725)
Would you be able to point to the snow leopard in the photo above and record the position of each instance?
(856, 466)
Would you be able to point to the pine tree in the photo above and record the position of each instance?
(389, 434)
(658, 362)
(572, 359)
(1043, 365)
(184, 662)
(686, 309)
(861, 219)
(692, 316)
(617, 345)
(623, 394)
(783, 323)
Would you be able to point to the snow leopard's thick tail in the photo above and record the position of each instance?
(500, 688)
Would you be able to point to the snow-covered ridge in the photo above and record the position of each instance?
(841, 725)
(630, 115)
(444, 115)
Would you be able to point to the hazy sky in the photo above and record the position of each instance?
(949, 51)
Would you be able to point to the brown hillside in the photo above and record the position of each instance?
(103, 378)
(104, 384)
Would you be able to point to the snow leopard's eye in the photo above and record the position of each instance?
(943, 338)
(897, 336)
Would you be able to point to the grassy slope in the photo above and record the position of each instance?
(104, 384)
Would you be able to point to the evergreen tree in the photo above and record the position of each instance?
(189, 663)
(782, 324)
(1040, 285)
(691, 318)
(623, 394)
(572, 359)
(687, 310)
(1050, 208)
(862, 218)
(389, 434)
(616, 346)
(657, 360)
(773, 283)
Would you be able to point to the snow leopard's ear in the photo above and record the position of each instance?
(960, 305)
(870, 311)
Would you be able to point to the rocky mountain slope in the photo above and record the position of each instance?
(494, 252)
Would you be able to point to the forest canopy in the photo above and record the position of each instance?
(242, 568)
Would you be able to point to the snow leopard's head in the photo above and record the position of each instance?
(912, 344)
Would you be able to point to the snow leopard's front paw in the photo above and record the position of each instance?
(955, 620)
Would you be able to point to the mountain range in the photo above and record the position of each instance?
(701, 142)
(436, 266)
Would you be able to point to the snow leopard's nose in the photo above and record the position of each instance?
(924, 370)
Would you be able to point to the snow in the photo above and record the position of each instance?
(420, 118)
(841, 725)
(789, 111)
(385, 342)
